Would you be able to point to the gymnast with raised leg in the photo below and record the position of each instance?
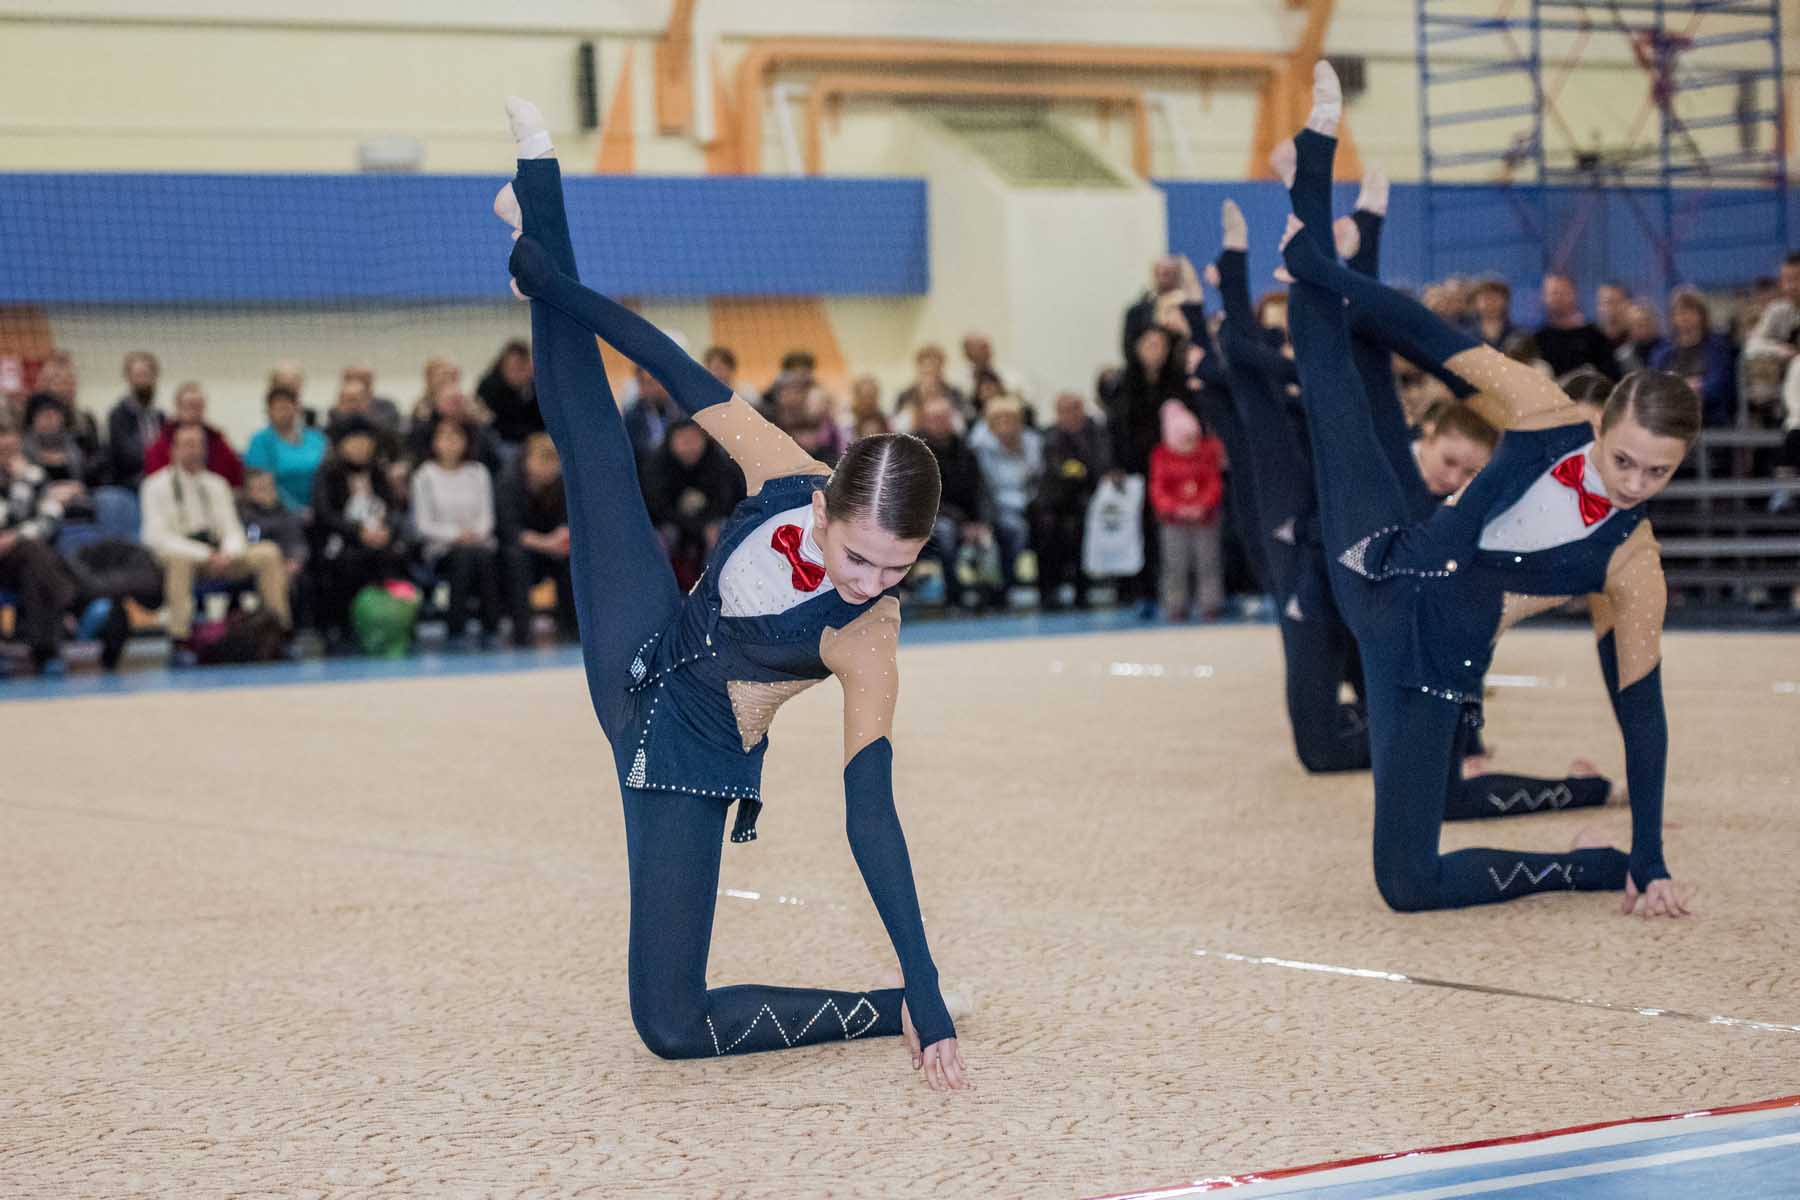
(1331, 734)
(800, 586)
(1557, 513)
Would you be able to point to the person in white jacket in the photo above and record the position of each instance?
(453, 511)
(190, 523)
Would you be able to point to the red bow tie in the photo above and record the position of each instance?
(1569, 472)
(807, 575)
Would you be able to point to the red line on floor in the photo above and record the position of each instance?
(1223, 1182)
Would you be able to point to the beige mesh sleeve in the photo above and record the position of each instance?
(760, 450)
(1512, 395)
(864, 655)
(1632, 608)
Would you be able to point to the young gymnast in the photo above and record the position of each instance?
(799, 587)
(1330, 734)
(1557, 513)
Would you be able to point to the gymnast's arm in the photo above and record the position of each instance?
(864, 657)
(760, 450)
(1628, 621)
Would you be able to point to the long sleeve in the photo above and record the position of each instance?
(864, 657)
(223, 461)
(1629, 622)
(760, 450)
(430, 515)
(1770, 337)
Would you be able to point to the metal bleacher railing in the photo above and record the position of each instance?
(1719, 540)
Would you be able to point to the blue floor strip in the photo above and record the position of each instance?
(429, 663)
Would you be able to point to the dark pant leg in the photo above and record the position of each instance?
(45, 589)
(487, 588)
(457, 567)
(1500, 795)
(673, 842)
(1415, 743)
(517, 577)
(624, 590)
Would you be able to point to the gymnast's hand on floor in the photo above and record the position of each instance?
(941, 1061)
(1661, 899)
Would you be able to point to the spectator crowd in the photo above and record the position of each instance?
(459, 494)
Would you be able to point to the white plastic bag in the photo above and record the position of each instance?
(1114, 544)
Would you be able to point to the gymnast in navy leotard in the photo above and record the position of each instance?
(1331, 734)
(1557, 513)
(799, 587)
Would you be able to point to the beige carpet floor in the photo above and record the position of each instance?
(369, 940)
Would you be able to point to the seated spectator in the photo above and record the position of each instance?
(795, 364)
(532, 514)
(56, 377)
(190, 409)
(453, 512)
(191, 525)
(1075, 456)
(48, 442)
(989, 388)
(356, 526)
(452, 404)
(690, 488)
(928, 381)
(1567, 339)
(1771, 350)
(355, 399)
(962, 511)
(978, 352)
(508, 393)
(802, 410)
(440, 372)
(134, 423)
(30, 513)
(287, 450)
(823, 426)
(648, 418)
(1187, 490)
(1012, 463)
(1493, 312)
(1707, 360)
(267, 518)
(866, 416)
(1646, 340)
(381, 411)
(722, 363)
(288, 373)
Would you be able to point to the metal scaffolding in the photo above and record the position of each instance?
(1508, 178)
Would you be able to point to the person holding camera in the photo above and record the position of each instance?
(191, 524)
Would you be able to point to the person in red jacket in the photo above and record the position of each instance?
(1186, 486)
(190, 409)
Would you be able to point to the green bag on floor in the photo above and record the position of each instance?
(382, 617)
